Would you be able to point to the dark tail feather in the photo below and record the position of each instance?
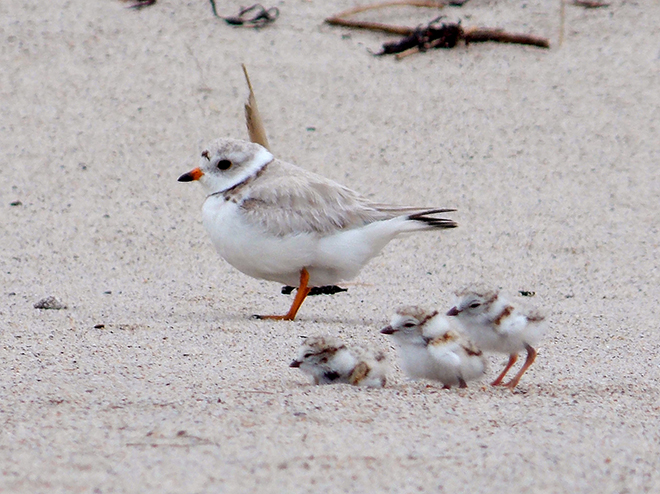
(427, 218)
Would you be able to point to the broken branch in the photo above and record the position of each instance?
(481, 34)
(340, 18)
(432, 35)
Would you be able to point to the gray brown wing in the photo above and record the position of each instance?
(286, 199)
(283, 205)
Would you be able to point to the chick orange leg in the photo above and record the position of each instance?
(512, 360)
(531, 355)
(302, 292)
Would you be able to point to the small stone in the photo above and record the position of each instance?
(50, 303)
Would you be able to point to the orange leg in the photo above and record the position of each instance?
(302, 292)
(512, 360)
(531, 355)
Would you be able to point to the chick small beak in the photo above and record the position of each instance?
(295, 363)
(453, 311)
(192, 175)
(388, 330)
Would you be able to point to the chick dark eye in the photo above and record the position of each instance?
(307, 355)
(409, 325)
(474, 305)
(224, 165)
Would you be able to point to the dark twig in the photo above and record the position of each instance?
(590, 4)
(254, 16)
(215, 11)
(140, 4)
(481, 34)
(372, 26)
(317, 290)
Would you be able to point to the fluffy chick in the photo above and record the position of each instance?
(495, 324)
(429, 348)
(329, 361)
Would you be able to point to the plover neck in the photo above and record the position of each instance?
(252, 171)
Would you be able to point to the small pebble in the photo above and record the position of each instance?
(49, 303)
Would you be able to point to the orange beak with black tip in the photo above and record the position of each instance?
(192, 175)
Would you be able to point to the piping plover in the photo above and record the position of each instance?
(275, 221)
(329, 361)
(494, 324)
(431, 349)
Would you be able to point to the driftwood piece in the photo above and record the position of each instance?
(449, 35)
(433, 35)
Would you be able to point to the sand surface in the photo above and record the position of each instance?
(155, 379)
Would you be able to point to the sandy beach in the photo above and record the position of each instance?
(155, 378)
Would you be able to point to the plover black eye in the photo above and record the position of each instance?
(224, 165)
